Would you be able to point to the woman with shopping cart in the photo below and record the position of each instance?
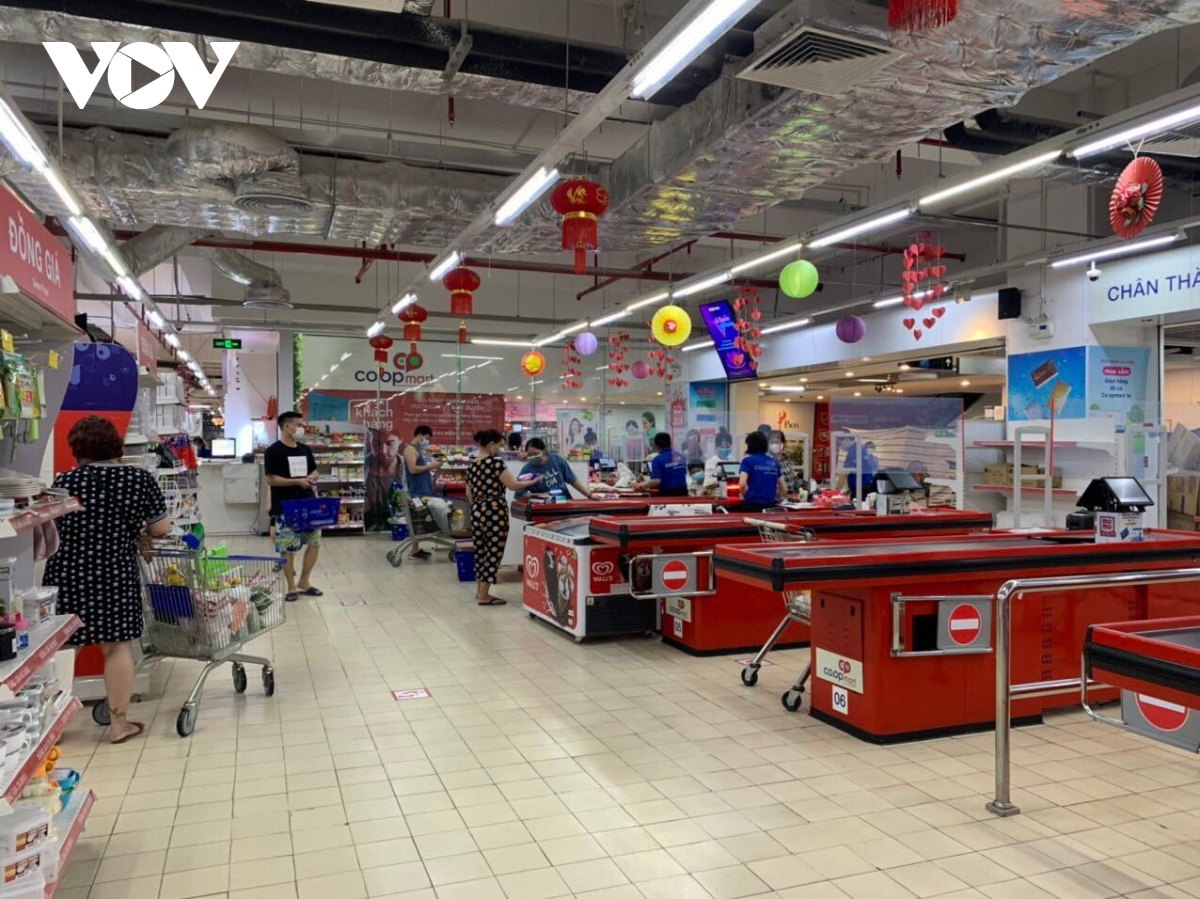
(487, 479)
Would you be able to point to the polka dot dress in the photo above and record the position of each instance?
(96, 567)
(489, 516)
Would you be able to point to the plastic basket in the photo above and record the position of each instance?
(170, 603)
(311, 514)
(464, 559)
(399, 532)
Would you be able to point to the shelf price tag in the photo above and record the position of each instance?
(54, 359)
(6, 340)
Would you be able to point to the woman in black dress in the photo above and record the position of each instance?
(96, 567)
(487, 479)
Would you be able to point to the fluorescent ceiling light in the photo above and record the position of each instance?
(172, 339)
(525, 195)
(787, 389)
(890, 301)
(491, 341)
(787, 326)
(185, 356)
(793, 247)
(687, 289)
(346, 356)
(1137, 132)
(694, 39)
(1000, 174)
(131, 288)
(334, 367)
(85, 230)
(862, 227)
(653, 298)
(446, 265)
(698, 345)
(609, 319)
(64, 193)
(1120, 249)
(156, 318)
(488, 358)
(18, 139)
(376, 329)
(403, 303)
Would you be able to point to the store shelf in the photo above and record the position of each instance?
(26, 316)
(27, 519)
(341, 481)
(69, 823)
(344, 527)
(1039, 491)
(1041, 444)
(44, 641)
(315, 446)
(323, 461)
(17, 783)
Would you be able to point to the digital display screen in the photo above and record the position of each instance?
(224, 448)
(722, 327)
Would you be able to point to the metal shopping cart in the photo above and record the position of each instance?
(797, 606)
(427, 522)
(206, 606)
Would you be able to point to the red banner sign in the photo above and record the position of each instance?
(34, 259)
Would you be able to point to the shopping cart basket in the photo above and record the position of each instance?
(427, 522)
(797, 608)
(206, 606)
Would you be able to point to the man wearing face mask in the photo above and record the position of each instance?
(292, 474)
(418, 477)
(777, 447)
(556, 474)
(714, 472)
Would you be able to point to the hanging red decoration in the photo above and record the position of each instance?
(572, 368)
(921, 15)
(618, 349)
(412, 317)
(1136, 197)
(580, 203)
(747, 309)
(462, 332)
(381, 344)
(462, 284)
(923, 276)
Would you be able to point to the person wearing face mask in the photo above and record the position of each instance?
(761, 478)
(714, 472)
(292, 474)
(777, 447)
(556, 474)
(418, 478)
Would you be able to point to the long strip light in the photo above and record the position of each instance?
(793, 247)
(1137, 132)
(488, 358)
(711, 23)
(156, 318)
(1120, 249)
(65, 194)
(173, 339)
(18, 139)
(612, 317)
(890, 301)
(687, 289)
(1001, 174)
(775, 389)
(132, 289)
(376, 329)
(525, 195)
(787, 326)
(871, 224)
(446, 265)
(648, 301)
(491, 341)
(698, 345)
(403, 303)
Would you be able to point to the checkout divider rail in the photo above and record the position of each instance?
(1002, 804)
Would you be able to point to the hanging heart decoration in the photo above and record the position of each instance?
(918, 334)
(939, 311)
(572, 368)
(1136, 197)
(922, 280)
(618, 349)
(929, 322)
(748, 313)
(910, 323)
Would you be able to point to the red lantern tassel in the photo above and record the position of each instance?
(412, 332)
(920, 15)
(581, 232)
(462, 332)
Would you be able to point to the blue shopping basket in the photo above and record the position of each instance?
(311, 514)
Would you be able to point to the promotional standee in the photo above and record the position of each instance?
(902, 634)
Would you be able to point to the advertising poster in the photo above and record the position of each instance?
(104, 382)
(822, 440)
(1116, 384)
(722, 327)
(552, 581)
(576, 430)
(1040, 382)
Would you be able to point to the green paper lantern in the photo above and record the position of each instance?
(799, 279)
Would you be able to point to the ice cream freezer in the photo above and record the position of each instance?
(739, 617)
(902, 631)
(580, 587)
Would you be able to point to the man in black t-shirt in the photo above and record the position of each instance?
(292, 474)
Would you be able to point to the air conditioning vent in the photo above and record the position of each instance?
(273, 194)
(820, 62)
(1183, 141)
(268, 298)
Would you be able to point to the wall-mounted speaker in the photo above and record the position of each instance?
(1009, 304)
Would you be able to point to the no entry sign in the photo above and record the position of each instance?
(965, 625)
(1162, 714)
(674, 575)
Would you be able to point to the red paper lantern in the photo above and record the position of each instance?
(920, 15)
(462, 332)
(462, 284)
(412, 318)
(1136, 197)
(580, 203)
(381, 345)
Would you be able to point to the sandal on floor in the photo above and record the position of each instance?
(291, 597)
(493, 601)
(422, 554)
(311, 591)
(139, 729)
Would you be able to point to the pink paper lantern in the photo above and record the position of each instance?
(586, 343)
(851, 329)
(640, 370)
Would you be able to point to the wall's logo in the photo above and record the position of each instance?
(164, 61)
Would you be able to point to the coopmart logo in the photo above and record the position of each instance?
(165, 62)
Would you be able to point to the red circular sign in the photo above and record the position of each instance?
(1162, 714)
(674, 575)
(965, 624)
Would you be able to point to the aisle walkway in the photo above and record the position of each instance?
(540, 768)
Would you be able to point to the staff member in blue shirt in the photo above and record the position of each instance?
(556, 474)
(669, 470)
(761, 476)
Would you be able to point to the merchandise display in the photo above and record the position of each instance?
(341, 463)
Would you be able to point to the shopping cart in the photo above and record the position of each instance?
(427, 522)
(206, 606)
(797, 606)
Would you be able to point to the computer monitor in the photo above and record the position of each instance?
(224, 448)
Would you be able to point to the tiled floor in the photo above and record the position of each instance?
(541, 768)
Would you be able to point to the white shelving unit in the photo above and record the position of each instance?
(69, 824)
(342, 466)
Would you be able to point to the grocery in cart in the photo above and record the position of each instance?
(427, 520)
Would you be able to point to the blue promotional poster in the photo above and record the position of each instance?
(707, 405)
(722, 327)
(1117, 383)
(1052, 380)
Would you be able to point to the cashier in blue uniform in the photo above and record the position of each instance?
(861, 459)
(762, 478)
(668, 470)
(556, 475)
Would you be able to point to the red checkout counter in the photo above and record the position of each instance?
(738, 617)
(902, 634)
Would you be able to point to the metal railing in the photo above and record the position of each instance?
(1002, 804)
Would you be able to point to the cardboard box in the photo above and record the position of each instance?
(997, 475)
(1177, 521)
(1183, 493)
(1119, 527)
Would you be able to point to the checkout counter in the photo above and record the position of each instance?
(234, 497)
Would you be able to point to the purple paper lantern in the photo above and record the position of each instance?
(586, 343)
(640, 370)
(851, 329)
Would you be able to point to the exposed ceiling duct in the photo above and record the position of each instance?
(264, 286)
(156, 245)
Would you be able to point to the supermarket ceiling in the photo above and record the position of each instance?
(364, 124)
